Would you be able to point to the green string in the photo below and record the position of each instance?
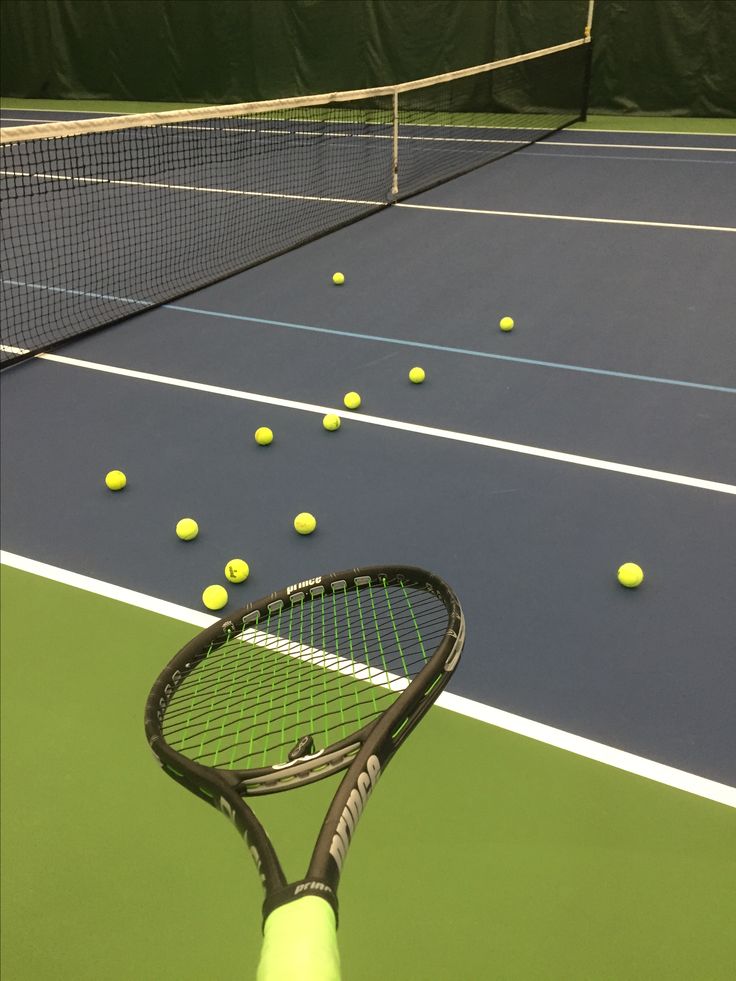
(208, 720)
(414, 620)
(356, 688)
(337, 654)
(395, 628)
(366, 649)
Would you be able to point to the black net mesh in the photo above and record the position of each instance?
(100, 223)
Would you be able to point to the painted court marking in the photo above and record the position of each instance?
(402, 342)
(447, 349)
(628, 156)
(108, 182)
(641, 146)
(498, 444)
(588, 748)
(600, 221)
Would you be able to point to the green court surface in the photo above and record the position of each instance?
(483, 854)
(632, 124)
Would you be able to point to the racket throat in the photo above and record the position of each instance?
(298, 890)
(303, 747)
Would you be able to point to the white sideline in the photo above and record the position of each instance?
(498, 444)
(649, 769)
(600, 221)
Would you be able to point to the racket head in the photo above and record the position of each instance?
(287, 690)
(329, 674)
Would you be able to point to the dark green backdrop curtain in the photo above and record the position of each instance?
(666, 57)
(674, 57)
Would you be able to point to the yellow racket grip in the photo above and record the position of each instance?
(300, 943)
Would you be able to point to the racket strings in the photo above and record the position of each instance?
(242, 660)
(290, 683)
(325, 665)
(239, 661)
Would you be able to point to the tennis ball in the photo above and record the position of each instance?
(187, 529)
(352, 400)
(506, 324)
(417, 375)
(263, 436)
(331, 422)
(214, 597)
(630, 575)
(237, 570)
(338, 279)
(116, 480)
(305, 523)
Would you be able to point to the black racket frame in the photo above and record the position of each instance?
(365, 754)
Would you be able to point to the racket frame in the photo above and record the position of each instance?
(363, 755)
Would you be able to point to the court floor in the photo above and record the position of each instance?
(567, 811)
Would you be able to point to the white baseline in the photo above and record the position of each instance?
(649, 769)
(498, 444)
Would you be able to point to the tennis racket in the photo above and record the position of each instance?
(329, 674)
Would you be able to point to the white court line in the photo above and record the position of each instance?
(448, 139)
(575, 128)
(186, 187)
(321, 659)
(109, 590)
(86, 112)
(588, 748)
(609, 755)
(638, 146)
(647, 132)
(531, 214)
(498, 444)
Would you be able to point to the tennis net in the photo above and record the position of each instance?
(106, 217)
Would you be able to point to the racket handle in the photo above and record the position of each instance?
(300, 943)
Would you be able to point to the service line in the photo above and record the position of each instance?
(408, 427)
(610, 756)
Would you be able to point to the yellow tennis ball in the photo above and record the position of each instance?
(417, 375)
(237, 570)
(263, 436)
(331, 422)
(305, 523)
(506, 323)
(116, 480)
(352, 400)
(630, 575)
(214, 597)
(187, 529)
(338, 279)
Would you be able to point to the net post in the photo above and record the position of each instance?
(197, 253)
(586, 83)
(589, 22)
(588, 61)
(395, 147)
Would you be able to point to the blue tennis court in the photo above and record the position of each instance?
(607, 417)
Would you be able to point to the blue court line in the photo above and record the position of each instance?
(393, 340)
(649, 158)
(452, 350)
(61, 289)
